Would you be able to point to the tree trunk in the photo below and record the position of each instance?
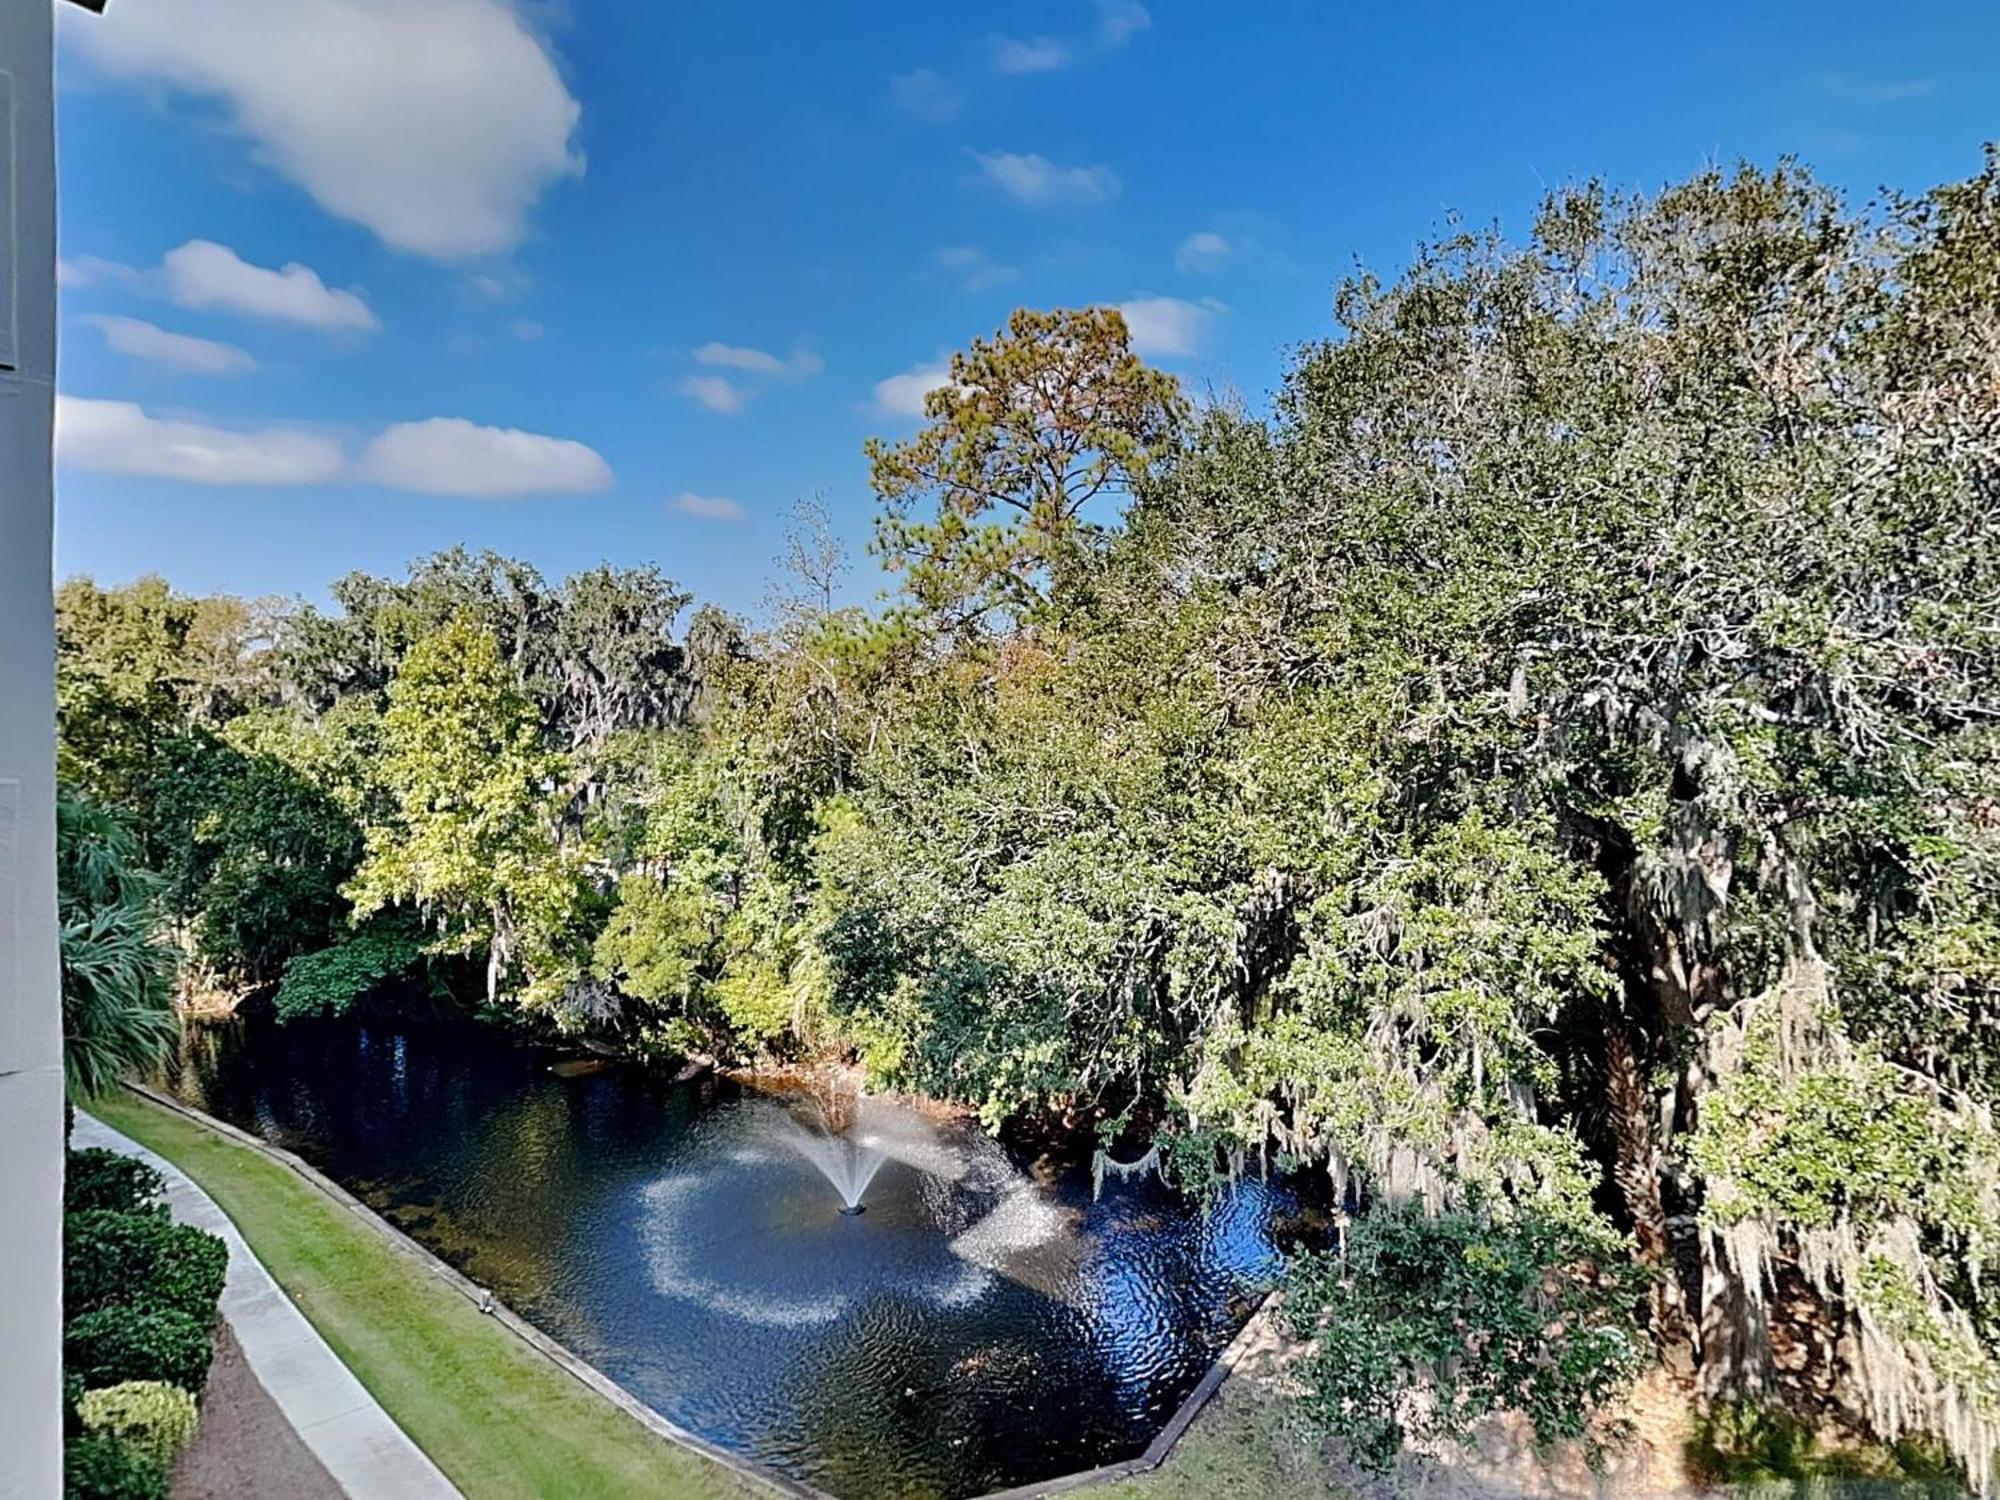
(1636, 1169)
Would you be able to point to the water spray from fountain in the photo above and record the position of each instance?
(846, 1157)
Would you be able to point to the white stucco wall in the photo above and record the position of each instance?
(30, 1011)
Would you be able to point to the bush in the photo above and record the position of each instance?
(141, 1258)
(102, 1466)
(120, 1343)
(154, 1417)
(1426, 1325)
(96, 1178)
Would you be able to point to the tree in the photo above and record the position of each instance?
(471, 841)
(117, 969)
(1027, 430)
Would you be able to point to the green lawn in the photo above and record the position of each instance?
(494, 1415)
(1239, 1446)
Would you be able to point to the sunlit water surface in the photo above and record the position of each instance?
(978, 1326)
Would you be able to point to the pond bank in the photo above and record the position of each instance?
(494, 1415)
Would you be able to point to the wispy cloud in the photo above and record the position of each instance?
(451, 456)
(121, 437)
(1171, 327)
(715, 392)
(1202, 252)
(1038, 54)
(149, 341)
(927, 95)
(975, 269)
(1118, 21)
(1040, 183)
(800, 364)
(1850, 88)
(708, 507)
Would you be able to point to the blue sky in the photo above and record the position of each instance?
(614, 280)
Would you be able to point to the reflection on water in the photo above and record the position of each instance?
(975, 1328)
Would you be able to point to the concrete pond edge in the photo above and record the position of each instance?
(560, 1355)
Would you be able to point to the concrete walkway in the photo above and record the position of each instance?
(367, 1454)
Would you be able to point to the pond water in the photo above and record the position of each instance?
(979, 1325)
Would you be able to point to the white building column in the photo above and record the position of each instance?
(31, 1091)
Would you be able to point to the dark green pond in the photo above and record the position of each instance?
(978, 1326)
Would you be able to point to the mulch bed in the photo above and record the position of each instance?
(244, 1448)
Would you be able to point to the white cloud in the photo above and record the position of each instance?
(144, 340)
(708, 507)
(91, 270)
(436, 125)
(1039, 182)
(927, 95)
(451, 456)
(119, 437)
(1168, 326)
(714, 392)
(204, 275)
(527, 330)
(1038, 54)
(903, 395)
(799, 365)
(1202, 252)
(978, 270)
(1118, 21)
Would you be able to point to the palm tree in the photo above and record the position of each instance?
(117, 969)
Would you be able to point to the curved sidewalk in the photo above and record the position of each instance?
(368, 1455)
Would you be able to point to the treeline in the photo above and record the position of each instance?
(1546, 772)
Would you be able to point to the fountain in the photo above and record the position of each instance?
(847, 1160)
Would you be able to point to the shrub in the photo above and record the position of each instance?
(96, 1178)
(154, 1417)
(103, 1466)
(120, 1343)
(141, 1258)
(1427, 1324)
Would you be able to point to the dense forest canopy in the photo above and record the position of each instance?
(1545, 773)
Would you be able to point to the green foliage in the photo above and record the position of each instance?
(331, 981)
(155, 1418)
(117, 970)
(138, 1341)
(95, 1178)
(1030, 427)
(141, 1259)
(104, 1466)
(255, 851)
(471, 842)
(1425, 1324)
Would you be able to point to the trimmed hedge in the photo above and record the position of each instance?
(95, 1178)
(103, 1466)
(119, 1343)
(141, 1258)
